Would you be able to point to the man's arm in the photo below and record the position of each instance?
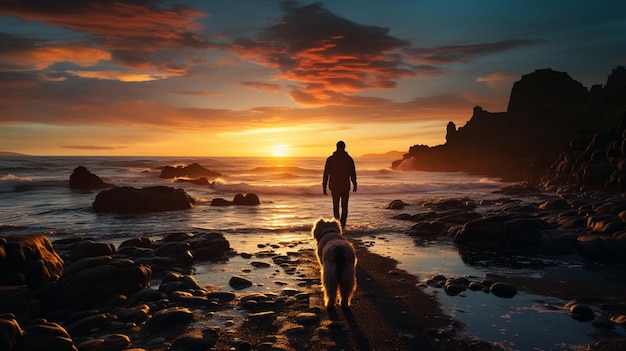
(353, 174)
(326, 176)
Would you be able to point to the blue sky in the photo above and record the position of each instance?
(246, 77)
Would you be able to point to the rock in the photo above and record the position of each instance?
(210, 246)
(127, 199)
(307, 318)
(74, 249)
(200, 181)
(262, 316)
(193, 342)
(136, 314)
(136, 242)
(581, 312)
(42, 335)
(10, 332)
(259, 264)
(108, 343)
(17, 301)
(504, 290)
(592, 246)
(193, 170)
(555, 205)
(396, 205)
(28, 259)
(221, 202)
(453, 289)
(94, 322)
(170, 320)
(522, 232)
(545, 90)
(239, 283)
(545, 110)
(485, 232)
(221, 296)
(82, 179)
(608, 344)
(239, 200)
(475, 286)
(90, 281)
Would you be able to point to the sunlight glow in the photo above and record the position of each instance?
(280, 150)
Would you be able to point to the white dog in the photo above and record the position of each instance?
(337, 259)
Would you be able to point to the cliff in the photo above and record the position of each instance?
(546, 110)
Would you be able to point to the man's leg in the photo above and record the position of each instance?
(336, 198)
(344, 208)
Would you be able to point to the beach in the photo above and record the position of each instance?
(397, 306)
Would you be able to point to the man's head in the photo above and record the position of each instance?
(341, 146)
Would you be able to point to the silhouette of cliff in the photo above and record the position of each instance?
(546, 109)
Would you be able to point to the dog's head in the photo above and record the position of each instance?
(323, 226)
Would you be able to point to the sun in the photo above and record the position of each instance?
(280, 150)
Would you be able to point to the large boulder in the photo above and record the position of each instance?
(82, 179)
(193, 170)
(28, 259)
(95, 280)
(76, 248)
(151, 199)
(176, 251)
(506, 231)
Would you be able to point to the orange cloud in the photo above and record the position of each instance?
(136, 34)
(24, 54)
(272, 88)
(497, 77)
(119, 75)
(332, 56)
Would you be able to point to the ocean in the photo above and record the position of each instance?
(35, 197)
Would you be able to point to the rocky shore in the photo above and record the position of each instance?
(78, 294)
(101, 299)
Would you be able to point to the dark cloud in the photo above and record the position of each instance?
(318, 96)
(138, 34)
(334, 58)
(327, 53)
(465, 53)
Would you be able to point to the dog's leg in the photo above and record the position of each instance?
(347, 286)
(329, 279)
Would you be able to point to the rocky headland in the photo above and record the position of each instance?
(546, 110)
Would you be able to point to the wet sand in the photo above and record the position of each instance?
(389, 312)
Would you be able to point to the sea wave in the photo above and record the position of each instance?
(11, 182)
(223, 186)
(281, 170)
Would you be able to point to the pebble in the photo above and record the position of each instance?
(503, 290)
(262, 316)
(239, 283)
(581, 312)
(307, 318)
(259, 264)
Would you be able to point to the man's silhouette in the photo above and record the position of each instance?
(338, 173)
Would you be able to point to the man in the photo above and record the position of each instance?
(339, 171)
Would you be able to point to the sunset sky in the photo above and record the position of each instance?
(264, 77)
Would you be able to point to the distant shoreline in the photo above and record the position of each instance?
(7, 153)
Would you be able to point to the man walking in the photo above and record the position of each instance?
(339, 171)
